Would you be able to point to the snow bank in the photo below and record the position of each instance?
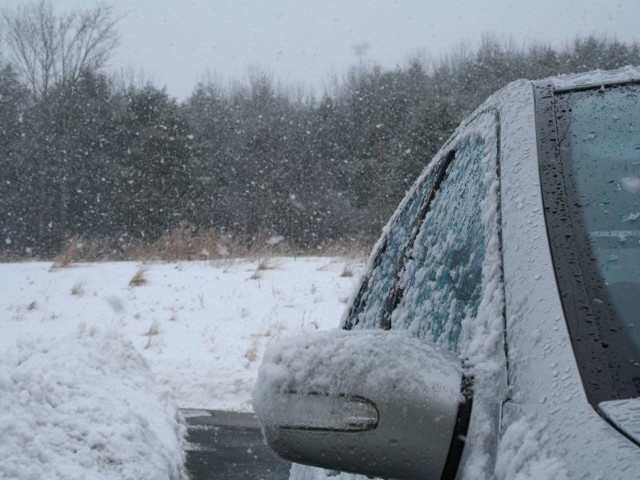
(85, 406)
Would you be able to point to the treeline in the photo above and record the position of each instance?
(120, 164)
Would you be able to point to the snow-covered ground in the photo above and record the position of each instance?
(95, 358)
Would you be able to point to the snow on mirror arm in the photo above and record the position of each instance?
(373, 402)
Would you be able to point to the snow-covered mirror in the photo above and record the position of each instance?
(374, 402)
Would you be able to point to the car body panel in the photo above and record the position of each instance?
(625, 414)
(546, 388)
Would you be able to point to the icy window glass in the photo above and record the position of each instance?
(369, 306)
(442, 283)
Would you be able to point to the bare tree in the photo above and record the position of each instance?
(48, 49)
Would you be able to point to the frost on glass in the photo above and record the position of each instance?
(369, 305)
(442, 283)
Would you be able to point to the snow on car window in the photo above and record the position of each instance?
(481, 339)
(369, 307)
(442, 282)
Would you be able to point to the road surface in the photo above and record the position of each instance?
(229, 446)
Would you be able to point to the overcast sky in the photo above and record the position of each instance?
(175, 43)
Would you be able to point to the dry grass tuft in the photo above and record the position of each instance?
(68, 255)
(257, 275)
(78, 249)
(153, 331)
(139, 278)
(273, 331)
(252, 353)
(182, 243)
(188, 242)
(263, 264)
(78, 289)
(347, 270)
(32, 306)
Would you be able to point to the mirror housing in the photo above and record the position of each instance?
(373, 402)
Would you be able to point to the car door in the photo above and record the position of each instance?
(449, 289)
(437, 273)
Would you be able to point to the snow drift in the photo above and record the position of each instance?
(85, 406)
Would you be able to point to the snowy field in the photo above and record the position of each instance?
(95, 358)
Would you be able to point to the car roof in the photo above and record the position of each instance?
(592, 79)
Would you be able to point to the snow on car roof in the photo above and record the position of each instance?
(595, 78)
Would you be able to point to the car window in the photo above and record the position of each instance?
(368, 308)
(604, 138)
(442, 282)
(591, 192)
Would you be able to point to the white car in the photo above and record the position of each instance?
(496, 331)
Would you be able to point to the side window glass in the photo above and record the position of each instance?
(368, 307)
(441, 286)
(603, 144)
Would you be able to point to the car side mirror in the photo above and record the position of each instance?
(373, 402)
